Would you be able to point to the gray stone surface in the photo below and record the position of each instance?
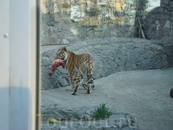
(111, 55)
(49, 40)
(76, 21)
(81, 118)
(145, 94)
(163, 16)
(63, 24)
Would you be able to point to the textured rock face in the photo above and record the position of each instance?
(111, 55)
(158, 22)
(73, 20)
(79, 19)
(81, 118)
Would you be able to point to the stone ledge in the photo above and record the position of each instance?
(81, 118)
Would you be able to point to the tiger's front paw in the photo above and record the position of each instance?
(73, 93)
(88, 92)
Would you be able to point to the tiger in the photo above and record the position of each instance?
(77, 67)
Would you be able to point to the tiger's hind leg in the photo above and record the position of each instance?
(90, 81)
(78, 78)
(83, 81)
(90, 84)
(85, 86)
(77, 84)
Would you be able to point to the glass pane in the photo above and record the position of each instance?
(122, 47)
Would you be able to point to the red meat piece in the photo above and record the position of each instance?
(57, 63)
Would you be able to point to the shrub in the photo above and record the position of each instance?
(102, 112)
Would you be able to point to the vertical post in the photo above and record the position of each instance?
(171, 32)
(37, 115)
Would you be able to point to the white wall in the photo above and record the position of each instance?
(18, 64)
(4, 65)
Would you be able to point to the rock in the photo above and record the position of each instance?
(80, 118)
(44, 6)
(171, 4)
(49, 40)
(165, 1)
(62, 82)
(65, 41)
(167, 24)
(50, 23)
(160, 10)
(75, 13)
(46, 62)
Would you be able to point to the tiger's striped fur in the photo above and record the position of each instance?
(77, 66)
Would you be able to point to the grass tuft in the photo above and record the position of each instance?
(102, 112)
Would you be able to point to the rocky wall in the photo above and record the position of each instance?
(158, 23)
(81, 119)
(111, 55)
(67, 21)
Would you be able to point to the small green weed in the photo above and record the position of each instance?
(102, 112)
(76, 115)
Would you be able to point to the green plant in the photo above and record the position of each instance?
(76, 115)
(102, 112)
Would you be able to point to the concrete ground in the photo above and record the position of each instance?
(143, 94)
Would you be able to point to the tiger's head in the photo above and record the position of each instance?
(61, 54)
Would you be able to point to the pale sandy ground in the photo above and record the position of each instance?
(144, 94)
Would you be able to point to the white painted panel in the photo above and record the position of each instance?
(17, 64)
(22, 64)
(4, 65)
(4, 43)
